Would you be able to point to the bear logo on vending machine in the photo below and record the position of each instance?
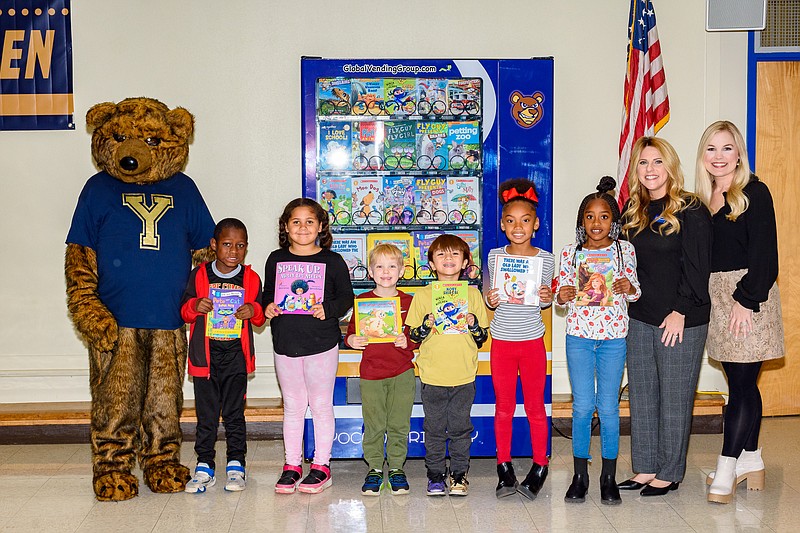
(527, 110)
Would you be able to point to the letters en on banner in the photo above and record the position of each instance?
(36, 65)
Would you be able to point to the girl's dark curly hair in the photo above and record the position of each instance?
(325, 237)
(607, 183)
(516, 190)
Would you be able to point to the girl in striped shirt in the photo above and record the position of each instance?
(517, 343)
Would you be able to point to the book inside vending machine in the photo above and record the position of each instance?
(402, 151)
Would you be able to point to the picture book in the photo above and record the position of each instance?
(367, 97)
(403, 241)
(367, 145)
(422, 243)
(431, 96)
(399, 145)
(367, 200)
(398, 200)
(472, 239)
(299, 285)
(334, 146)
(432, 145)
(463, 202)
(430, 196)
(518, 278)
(335, 196)
(450, 306)
(464, 96)
(333, 96)
(353, 249)
(222, 325)
(400, 95)
(378, 319)
(464, 145)
(594, 277)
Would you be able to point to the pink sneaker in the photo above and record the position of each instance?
(317, 480)
(289, 479)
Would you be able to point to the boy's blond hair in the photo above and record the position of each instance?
(389, 251)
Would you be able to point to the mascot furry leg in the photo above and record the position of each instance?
(145, 420)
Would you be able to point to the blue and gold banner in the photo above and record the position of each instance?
(35, 65)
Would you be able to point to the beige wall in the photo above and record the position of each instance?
(235, 65)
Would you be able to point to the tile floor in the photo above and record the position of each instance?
(48, 488)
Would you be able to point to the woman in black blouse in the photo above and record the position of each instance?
(671, 231)
(746, 326)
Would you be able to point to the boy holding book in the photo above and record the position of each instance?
(220, 360)
(448, 363)
(387, 379)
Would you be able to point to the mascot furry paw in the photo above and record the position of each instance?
(128, 258)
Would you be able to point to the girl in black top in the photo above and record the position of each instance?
(306, 345)
(746, 325)
(671, 231)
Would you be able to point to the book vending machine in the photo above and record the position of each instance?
(402, 151)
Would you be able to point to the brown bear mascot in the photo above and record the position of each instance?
(128, 258)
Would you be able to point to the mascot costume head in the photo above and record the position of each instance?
(128, 258)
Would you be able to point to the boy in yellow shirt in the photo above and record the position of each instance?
(447, 367)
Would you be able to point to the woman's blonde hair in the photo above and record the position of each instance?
(636, 217)
(704, 182)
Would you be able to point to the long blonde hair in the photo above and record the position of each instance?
(704, 182)
(636, 217)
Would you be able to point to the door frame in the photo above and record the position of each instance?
(753, 58)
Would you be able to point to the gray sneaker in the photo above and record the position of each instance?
(236, 477)
(202, 479)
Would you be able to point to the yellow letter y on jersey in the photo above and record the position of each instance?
(149, 215)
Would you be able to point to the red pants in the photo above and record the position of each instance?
(529, 359)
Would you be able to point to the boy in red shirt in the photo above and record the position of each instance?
(387, 380)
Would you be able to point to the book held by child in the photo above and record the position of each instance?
(378, 319)
(518, 278)
(450, 306)
(299, 286)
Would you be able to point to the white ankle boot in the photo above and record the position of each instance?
(724, 486)
(750, 467)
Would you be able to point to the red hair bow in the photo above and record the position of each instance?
(513, 193)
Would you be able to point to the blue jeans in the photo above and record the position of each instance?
(587, 358)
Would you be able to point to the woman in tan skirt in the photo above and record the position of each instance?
(746, 328)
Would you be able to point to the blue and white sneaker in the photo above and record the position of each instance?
(398, 481)
(202, 479)
(372, 483)
(236, 477)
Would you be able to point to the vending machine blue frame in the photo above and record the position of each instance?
(517, 128)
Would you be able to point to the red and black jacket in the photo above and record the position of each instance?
(199, 353)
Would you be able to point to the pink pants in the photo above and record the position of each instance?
(308, 381)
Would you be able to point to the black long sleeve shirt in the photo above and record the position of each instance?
(751, 242)
(297, 335)
(673, 269)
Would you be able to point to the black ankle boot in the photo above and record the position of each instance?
(576, 493)
(609, 493)
(507, 484)
(533, 481)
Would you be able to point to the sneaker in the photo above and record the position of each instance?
(202, 479)
(437, 487)
(398, 481)
(317, 480)
(236, 477)
(459, 486)
(372, 483)
(289, 479)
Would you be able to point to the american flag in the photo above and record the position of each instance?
(646, 104)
